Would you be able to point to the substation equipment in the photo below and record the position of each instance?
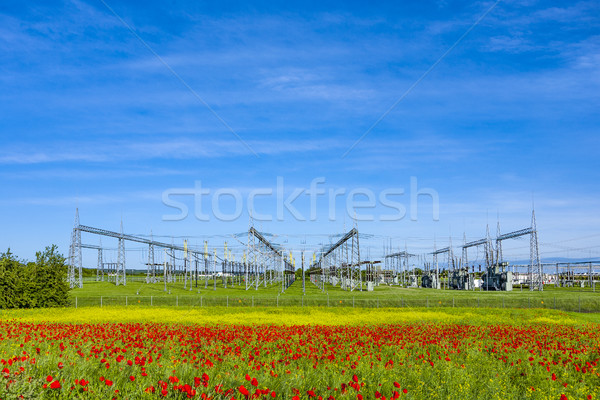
(396, 268)
(497, 277)
(263, 265)
(339, 264)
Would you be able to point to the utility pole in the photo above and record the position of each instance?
(303, 283)
(215, 269)
(185, 265)
(224, 269)
(165, 269)
(205, 264)
(282, 271)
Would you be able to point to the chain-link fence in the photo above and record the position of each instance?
(576, 303)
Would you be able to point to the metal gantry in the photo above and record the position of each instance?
(266, 264)
(340, 263)
(117, 271)
(534, 269)
(488, 248)
(573, 273)
(435, 282)
(100, 267)
(399, 263)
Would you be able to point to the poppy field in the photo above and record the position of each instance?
(412, 358)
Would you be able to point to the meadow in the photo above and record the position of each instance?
(206, 294)
(298, 353)
(141, 342)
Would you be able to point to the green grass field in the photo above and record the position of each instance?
(137, 292)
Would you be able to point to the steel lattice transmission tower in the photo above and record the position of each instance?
(151, 271)
(354, 273)
(489, 249)
(536, 273)
(499, 256)
(100, 268)
(121, 277)
(74, 277)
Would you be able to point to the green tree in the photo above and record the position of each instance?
(42, 283)
(9, 279)
(51, 278)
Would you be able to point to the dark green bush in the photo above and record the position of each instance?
(42, 283)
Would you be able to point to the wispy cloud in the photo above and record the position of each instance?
(105, 151)
(88, 199)
(310, 84)
(43, 171)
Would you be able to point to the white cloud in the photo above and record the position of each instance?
(89, 199)
(106, 151)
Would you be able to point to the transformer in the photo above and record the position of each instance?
(413, 281)
(461, 280)
(430, 281)
(497, 278)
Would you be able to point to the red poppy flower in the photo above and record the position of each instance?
(243, 390)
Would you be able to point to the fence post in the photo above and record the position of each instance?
(125, 301)
(277, 300)
(75, 301)
(100, 301)
(176, 301)
(151, 302)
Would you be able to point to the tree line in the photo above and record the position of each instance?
(42, 283)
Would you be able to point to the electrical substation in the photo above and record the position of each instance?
(253, 260)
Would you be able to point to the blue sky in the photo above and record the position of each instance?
(91, 118)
